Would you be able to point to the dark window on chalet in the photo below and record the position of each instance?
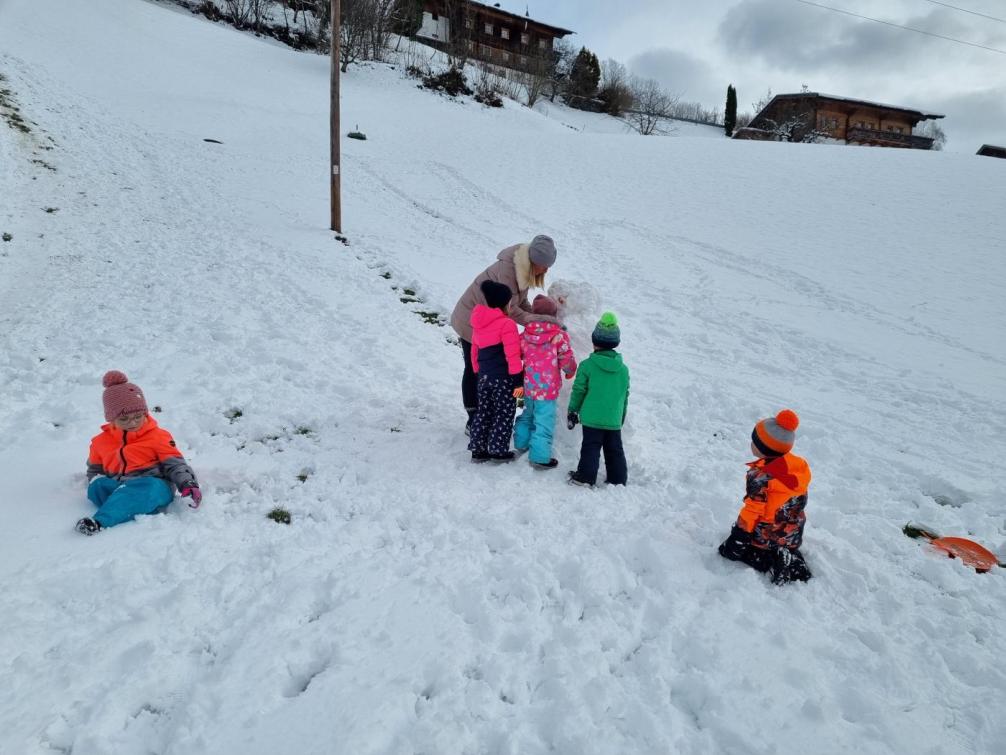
(505, 33)
(435, 16)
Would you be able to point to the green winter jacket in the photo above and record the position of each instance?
(601, 391)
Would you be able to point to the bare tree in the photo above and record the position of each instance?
(461, 22)
(795, 127)
(758, 106)
(239, 11)
(651, 107)
(933, 130)
(565, 54)
(616, 89)
(534, 75)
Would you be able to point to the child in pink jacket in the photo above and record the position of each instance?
(547, 356)
(496, 362)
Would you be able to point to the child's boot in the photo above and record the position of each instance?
(88, 526)
(550, 464)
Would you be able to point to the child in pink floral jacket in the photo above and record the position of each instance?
(547, 353)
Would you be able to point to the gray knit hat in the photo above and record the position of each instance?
(542, 251)
(606, 334)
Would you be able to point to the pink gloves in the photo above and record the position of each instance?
(195, 493)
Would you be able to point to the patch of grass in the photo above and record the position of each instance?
(303, 476)
(431, 318)
(409, 291)
(234, 414)
(7, 237)
(386, 275)
(279, 515)
(303, 430)
(51, 210)
(396, 429)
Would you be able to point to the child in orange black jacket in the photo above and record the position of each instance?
(497, 363)
(133, 467)
(769, 528)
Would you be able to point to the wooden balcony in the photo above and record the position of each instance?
(887, 138)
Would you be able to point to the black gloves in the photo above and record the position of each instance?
(572, 420)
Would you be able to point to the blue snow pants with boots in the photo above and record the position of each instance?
(535, 429)
(119, 501)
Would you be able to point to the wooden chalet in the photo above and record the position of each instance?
(488, 32)
(808, 116)
(989, 150)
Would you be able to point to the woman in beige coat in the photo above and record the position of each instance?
(520, 267)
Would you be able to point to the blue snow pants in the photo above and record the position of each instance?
(535, 428)
(120, 501)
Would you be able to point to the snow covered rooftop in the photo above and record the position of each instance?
(865, 103)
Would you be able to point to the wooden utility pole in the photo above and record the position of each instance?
(334, 121)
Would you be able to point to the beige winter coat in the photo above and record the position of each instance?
(513, 268)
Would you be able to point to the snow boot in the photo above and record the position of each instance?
(574, 480)
(480, 456)
(789, 566)
(550, 464)
(88, 526)
(503, 458)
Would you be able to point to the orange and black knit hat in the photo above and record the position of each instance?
(774, 436)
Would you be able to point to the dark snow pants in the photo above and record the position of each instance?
(595, 441)
(493, 422)
(469, 383)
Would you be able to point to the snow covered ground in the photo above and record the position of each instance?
(418, 604)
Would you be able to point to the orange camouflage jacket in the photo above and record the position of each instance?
(774, 504)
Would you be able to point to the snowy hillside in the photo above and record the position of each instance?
(418, 603)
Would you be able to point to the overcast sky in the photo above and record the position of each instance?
(697, 47)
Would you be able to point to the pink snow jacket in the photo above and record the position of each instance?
(547, 352)
(495, 343)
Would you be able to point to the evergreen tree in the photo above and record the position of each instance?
(730, 116)
(584, 75)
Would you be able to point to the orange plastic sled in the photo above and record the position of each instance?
(978, 557)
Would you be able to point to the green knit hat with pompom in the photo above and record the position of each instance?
(606, 334)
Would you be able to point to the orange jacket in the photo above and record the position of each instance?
(147, 452)
(774, 505)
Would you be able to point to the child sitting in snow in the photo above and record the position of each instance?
(496, 363)
(547, 355)
(133, 467)
(599, 400)
(769, 529)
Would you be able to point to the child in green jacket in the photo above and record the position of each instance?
(599, 401)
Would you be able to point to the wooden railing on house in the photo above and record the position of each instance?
(892, 138)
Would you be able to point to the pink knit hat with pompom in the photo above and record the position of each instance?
(121, 396)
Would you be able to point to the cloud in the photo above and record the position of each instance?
(973, 118)
(679, 73)
(806, 39)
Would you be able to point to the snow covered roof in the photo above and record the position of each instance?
(560, 32)
(866, 103)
